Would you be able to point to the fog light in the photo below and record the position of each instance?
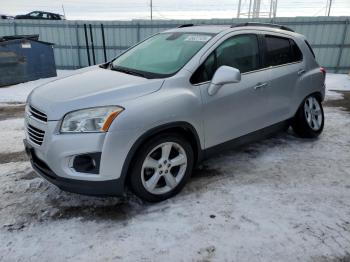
(87, 163)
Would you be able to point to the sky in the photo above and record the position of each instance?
(167, 9)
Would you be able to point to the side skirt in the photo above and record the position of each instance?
(246, 139)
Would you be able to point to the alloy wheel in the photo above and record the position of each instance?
(163, 168)
(313, 113)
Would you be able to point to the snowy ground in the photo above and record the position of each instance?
(282, 199)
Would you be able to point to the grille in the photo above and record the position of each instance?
(37, 114)
(35, 135)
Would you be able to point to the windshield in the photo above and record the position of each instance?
(161, 55)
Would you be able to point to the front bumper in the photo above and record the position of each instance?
(113, 187)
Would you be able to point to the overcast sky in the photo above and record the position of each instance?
(167, 9)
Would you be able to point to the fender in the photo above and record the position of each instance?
(187, 127)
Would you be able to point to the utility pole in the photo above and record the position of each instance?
(275, 9)
(271, 8)
(64, 12)
(329, 6)
(239, 8)
(250, 8)
(151, 7)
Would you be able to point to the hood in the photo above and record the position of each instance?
(90, 87)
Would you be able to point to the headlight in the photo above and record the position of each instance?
(97, 119)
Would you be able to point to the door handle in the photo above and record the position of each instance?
(260, 85)
(301, 71)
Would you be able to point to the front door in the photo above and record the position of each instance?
(236, 109)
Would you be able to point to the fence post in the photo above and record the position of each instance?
(87, 45)
(14, 27)
(342, 45)
(92, 45)
(78, 44)
(104, 42)
(138, 32)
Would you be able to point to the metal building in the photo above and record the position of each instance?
(25, 58)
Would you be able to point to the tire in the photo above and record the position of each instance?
(308, 122)
(154, 176)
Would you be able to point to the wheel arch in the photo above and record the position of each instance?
(318, 96)
(184, 128)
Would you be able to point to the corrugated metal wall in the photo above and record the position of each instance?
(329, 36)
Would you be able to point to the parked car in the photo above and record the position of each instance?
(5, 17)
(146, 118)
(41, 15)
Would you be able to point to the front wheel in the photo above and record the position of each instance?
(309, 119)
(162, 167)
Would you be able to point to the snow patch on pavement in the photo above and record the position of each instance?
(338, 82)
(11, 135)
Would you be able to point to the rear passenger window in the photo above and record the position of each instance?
(241, 52)
(280, 50)
(297, 55)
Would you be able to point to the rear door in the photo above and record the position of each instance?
(286, 70)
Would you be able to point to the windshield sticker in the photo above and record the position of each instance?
(198, 38)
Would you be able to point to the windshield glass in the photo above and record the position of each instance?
(163, 54)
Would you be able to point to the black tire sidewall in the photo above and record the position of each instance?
(135, 174)
(300, 124)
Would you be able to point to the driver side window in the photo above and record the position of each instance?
(241, 52)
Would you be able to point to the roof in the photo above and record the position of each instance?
(213, 29)
(16, 38)
(43, 12)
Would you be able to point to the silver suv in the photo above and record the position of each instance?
(147, 117)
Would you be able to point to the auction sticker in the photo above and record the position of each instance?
(198, 38)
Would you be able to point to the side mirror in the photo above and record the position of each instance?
(223, 75)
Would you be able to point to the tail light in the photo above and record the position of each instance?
(323, 71)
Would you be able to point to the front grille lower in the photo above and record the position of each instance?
(35, 135)
(37, 114)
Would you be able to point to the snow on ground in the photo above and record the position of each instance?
(282, 199)
(336, 82)
(11, 135)
(340, 82)
(19, 93)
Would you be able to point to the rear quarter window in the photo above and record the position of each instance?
(310, 48)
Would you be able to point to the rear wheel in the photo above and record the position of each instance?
(309, 119)
(162, 167)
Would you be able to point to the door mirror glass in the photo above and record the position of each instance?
(224, 75)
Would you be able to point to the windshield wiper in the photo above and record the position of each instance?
(127, 71)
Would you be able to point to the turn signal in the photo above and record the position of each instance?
(110, 119)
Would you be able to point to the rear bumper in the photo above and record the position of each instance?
(113, 187)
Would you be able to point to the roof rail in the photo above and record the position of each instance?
(185, 25)
(263, 24)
